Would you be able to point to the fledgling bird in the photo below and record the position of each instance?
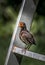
(25, 36)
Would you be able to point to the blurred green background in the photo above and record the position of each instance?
(8, 14)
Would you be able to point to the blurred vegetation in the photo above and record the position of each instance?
(8, 14)
(38, 29)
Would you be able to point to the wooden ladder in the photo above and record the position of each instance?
(26, 14)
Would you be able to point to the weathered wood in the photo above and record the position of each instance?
(13, 37)
(25, 15)
(29, 54)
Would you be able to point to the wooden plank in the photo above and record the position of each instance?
(28, 53)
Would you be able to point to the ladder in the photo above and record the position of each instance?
(26, 14)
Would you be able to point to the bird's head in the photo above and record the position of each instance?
(22, 25)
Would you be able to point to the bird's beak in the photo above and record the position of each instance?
(20, 24)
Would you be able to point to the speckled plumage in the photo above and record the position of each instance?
(25, 36)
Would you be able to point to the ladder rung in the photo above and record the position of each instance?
(29, 53)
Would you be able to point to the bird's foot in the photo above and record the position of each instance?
(23, 51)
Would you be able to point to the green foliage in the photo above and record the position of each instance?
(8, 26)
(8, 18)
(8, 15)
(30, 61)
(41, 7)
(38, 25)
(38, 29)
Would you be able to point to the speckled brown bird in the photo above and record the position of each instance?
(25, 36)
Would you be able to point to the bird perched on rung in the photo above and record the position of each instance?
(25, 36)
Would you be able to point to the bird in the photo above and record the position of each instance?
(25, 36)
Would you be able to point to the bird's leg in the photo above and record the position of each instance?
(24, 50)
(28, 46)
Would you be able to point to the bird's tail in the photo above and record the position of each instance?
(34, 42)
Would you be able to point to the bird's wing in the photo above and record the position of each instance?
(27, 37)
